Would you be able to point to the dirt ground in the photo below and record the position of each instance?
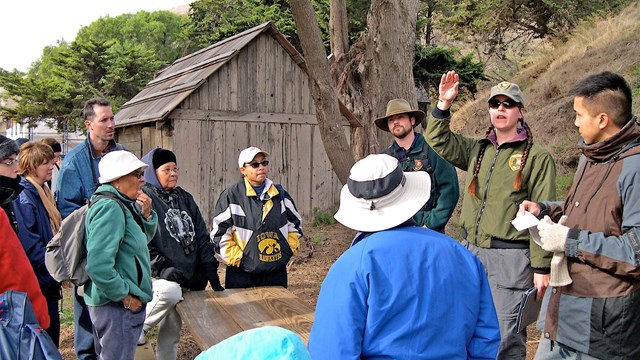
(321, 246)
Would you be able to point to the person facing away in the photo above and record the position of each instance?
(256, 226)
(77, 181)
(401, 291)
(503, 169)
(182, 255)
(117, 256)
(413, 153)
(593, 313)
(39, 220)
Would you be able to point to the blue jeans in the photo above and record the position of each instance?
(116, 330)
(82, 329)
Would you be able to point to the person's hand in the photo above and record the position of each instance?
(530, 206)
(448, 89)
(145, 204)
(214, 281)
(541, 282)
(553, 236)
(132, 303)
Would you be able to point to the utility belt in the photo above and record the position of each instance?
(497, 243)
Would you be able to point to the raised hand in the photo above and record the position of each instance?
(448, 89)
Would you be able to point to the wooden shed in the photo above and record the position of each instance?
(251, 89)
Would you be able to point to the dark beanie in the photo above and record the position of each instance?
(161, 157)
(8, 147)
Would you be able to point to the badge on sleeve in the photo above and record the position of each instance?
(515, 161)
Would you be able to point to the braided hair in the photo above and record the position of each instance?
(517, 183)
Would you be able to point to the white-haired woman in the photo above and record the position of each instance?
(118, 228)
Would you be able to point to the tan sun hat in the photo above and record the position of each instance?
(395, 107)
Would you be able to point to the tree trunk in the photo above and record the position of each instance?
(338, 29)
(387, 69)
(324, 93)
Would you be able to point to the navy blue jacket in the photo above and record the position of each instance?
(34, 234)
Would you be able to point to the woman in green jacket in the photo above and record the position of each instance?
(503, 169)
(117, 256)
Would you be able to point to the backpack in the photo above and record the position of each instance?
(66, 253)
(21, 337)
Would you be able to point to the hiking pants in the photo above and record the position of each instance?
(162, 311)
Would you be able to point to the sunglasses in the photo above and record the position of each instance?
(508, 104)
(138, 174)
(256, 164)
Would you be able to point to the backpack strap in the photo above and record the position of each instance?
(123, 206)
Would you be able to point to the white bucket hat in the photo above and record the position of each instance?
(117, 164)
(379, 196)
(248, 154)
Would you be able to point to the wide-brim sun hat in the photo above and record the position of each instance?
(248, 154)
(379, 195)
(396, 107)
(116, 164)
(510, 90)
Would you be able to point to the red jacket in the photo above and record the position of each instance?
(16, 272)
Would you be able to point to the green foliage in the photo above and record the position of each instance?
(497, 24)
(431, 62)
(563, 183)
(317, 239)
(112, 57)
(321, 217)
(635, 85)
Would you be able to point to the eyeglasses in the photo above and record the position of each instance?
(256, 164)
(508, 104)
(10, 162)
(138, 174)
(169, 170)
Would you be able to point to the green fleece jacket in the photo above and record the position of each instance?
(117, 254)
(488, 215)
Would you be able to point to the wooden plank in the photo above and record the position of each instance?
(243, 81)
(233, 84)
(218, 157)
(252, 76)
(270, 80)
(223, 74)
(261, 74)
(289, 78)
(279, 59)
(237, 116)
(214, 316)
(321, 181)
(205, 318)
(301, 168)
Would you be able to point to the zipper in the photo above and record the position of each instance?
(484, 198)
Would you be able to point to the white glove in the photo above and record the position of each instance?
(553, 236)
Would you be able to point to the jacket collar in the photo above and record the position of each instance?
(626, 138)
(9, 189)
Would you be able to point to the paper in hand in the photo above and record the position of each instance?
(526, 221)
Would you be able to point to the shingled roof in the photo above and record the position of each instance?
(176, 82)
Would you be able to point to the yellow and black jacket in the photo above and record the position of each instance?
(258, 233)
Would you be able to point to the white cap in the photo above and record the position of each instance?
(248, 154)
(117, 164)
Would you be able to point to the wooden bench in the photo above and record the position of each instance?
(213, 316)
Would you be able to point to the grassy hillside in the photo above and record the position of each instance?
(605, 43)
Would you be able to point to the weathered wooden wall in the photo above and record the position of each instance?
(259, 98)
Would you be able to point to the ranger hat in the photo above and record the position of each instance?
(395, 107)
(510, 90)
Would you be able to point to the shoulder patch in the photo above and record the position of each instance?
(417, 165)
(515, 161)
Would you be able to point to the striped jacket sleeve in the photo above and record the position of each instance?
(228, 249)
(294, 223)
